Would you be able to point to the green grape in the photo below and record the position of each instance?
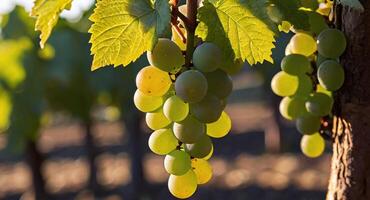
(191, 86)
(207, 57)
(283, 84)
(305, 86)
(331, 43)
(308, 124)
(274, 13)
(177, 162)
(201, 148)
(189, 130)
(292, 107)
(6, 108)
(331, 75)
(147, 103)
(202, 169)
(296, 64)
(175, 109)
(317, 22)
(156, 120)
(304, 44)
(319, 104)
(162, 141)
(209, 155)
(312, 145)
(208, 110)
(233, 67)
(153, 81)
(219, 83)
(184, 186)
(310, 4)
(221, 127)
(166, 56)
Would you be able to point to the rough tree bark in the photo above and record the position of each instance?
(350, 170)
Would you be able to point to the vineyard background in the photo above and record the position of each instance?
(99, 134)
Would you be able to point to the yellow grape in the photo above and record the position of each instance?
(153, 81)
(146, 103)
(304, 44)
(175, 109)
(312, 145)
(156, 120)
(221, 127)
(284, 84)
(183, 186)
(202, 169)
(162, 141)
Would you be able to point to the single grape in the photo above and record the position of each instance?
(296, 64)
(166, 56)
(312, 145)
(319, 104)
(208, 110)
(184, 186)
(175, 109)
(308, 124)
(305, 86)
(191, 86)
(283, 84)
(219, 83)
(331, 75)
(209, 155)
(177, 162)
(162, 141)
(147, 103)
(233, 67)
(331, 43)
(304, 44)
(207, 57)
(274, 13)
(317, 22)
(202, 169)
(156, 120)
(189, 130)
(292, 108)
(153, 81)
(201, 148)
(219, 128)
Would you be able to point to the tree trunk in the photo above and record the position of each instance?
(92, 153)
(350, 168)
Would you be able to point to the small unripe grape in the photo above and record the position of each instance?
(189, 130)
(147, 103)
(331, 75)
(177, 163)
(175, 109)
(202, 169)
(184, 186)
(284, 84)
(296, 64)
(219, 83)
(221, 127)
(162, 141)
(207, 57)
(201, 148)
(156, 120)
(191, 86)
(208, 110)
(153, 81)
(312, 145)
(292, 108)
(319, 104)
(166, 55)
(303, 44)
(308, 124)
(331, 43)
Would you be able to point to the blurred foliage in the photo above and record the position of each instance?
(57, 78)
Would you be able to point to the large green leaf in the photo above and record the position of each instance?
(236, 28)
(124, 29)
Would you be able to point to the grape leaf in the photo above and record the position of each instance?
(124, 29)
(47, 14)
(233, 26)
(291, 13)
(356, 4)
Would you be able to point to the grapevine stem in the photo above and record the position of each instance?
(190, 27)
(179, 32)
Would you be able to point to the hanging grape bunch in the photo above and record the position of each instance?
(184, 107)
(310, 73)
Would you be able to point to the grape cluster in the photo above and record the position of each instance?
(310, 73)
(184, 107)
